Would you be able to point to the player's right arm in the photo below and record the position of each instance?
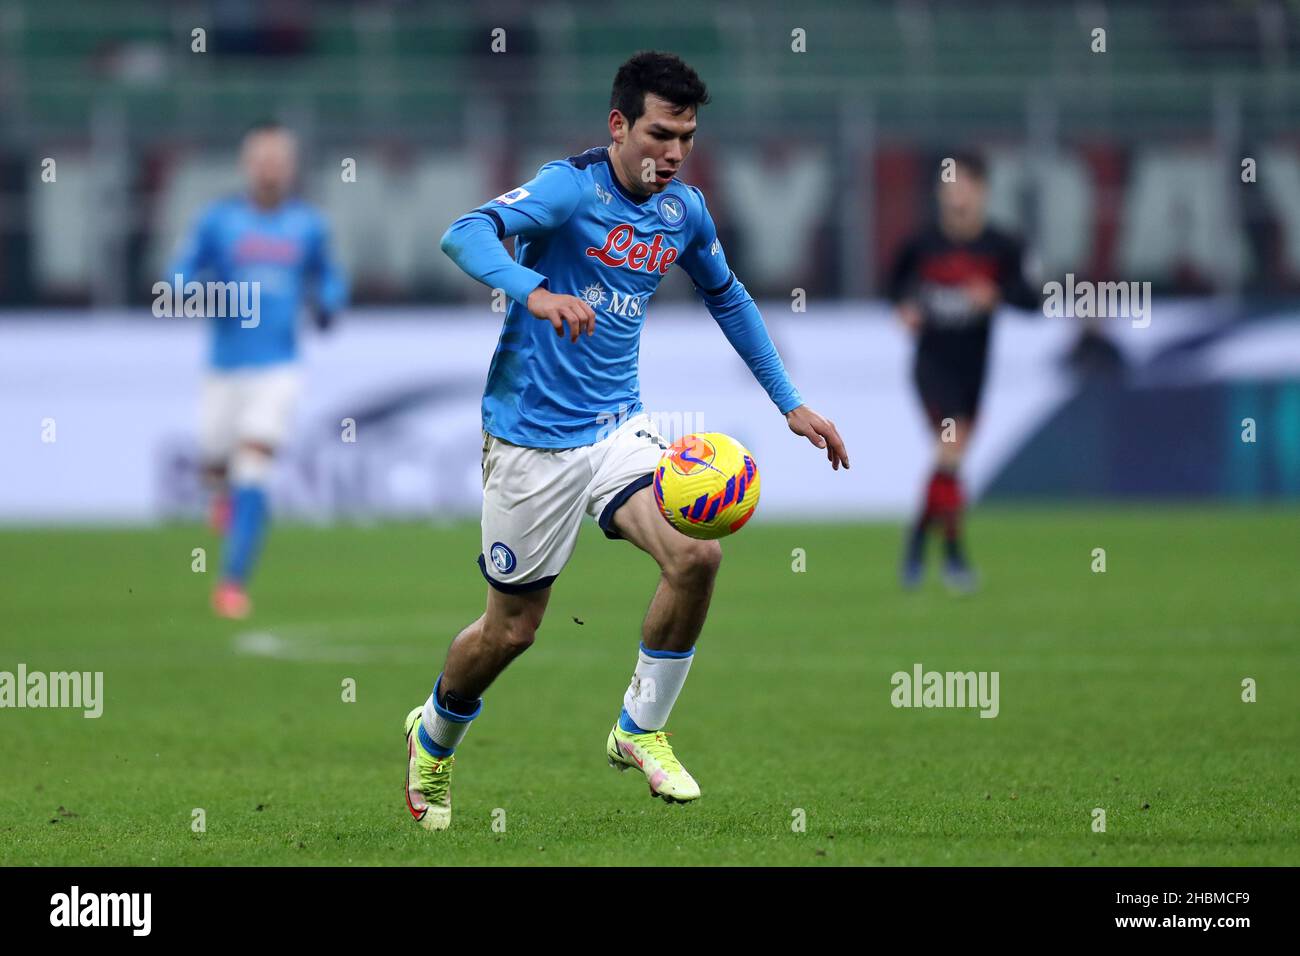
(198, 250)
(541, 205)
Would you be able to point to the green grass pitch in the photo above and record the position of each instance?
(1119, 690)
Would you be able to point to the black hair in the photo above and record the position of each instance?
(973, 163)
(663, 74)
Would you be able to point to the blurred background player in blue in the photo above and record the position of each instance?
(276, 248)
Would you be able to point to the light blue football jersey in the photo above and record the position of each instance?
(579, 232)
(284, 250)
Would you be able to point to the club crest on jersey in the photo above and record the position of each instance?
(620, 248)
(512, 197)
(503, 559)
(671, 210)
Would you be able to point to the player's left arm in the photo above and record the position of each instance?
(737, 315)
(330, 282)
(1020, 285)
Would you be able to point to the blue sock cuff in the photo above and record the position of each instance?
(628, 725)
(451, 715)
(671, 655)
(427, 743)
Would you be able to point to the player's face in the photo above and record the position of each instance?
(270, 162)
(961, 204)
(652, 151)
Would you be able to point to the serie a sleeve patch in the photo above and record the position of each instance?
(512, 197)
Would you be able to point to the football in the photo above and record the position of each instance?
(706, 485)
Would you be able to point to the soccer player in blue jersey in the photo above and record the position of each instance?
(595, 234)
(275, 249)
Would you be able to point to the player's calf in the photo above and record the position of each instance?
(216, 483)
(247, 523)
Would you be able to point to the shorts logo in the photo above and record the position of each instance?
(671, 210)
(512, 197)
(503, 559)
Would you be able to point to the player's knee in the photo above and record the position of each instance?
(251, 465)
(515, 633)
(694, 562)
(519, 635)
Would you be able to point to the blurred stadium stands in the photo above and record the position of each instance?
(1117, 164)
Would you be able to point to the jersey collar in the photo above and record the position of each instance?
(603, 153)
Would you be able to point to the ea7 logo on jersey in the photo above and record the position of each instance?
(619, 249)
(512, 197)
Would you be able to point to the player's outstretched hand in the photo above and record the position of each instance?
(983, 293)
(909, 314)
(821, 432)
(562, 310)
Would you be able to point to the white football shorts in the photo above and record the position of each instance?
(534, 499)
(246, 405)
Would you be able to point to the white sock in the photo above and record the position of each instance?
(442, 730)
(656, 682)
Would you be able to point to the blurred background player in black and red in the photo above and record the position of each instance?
(946, 284)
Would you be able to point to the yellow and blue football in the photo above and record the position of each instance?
(706, 485)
